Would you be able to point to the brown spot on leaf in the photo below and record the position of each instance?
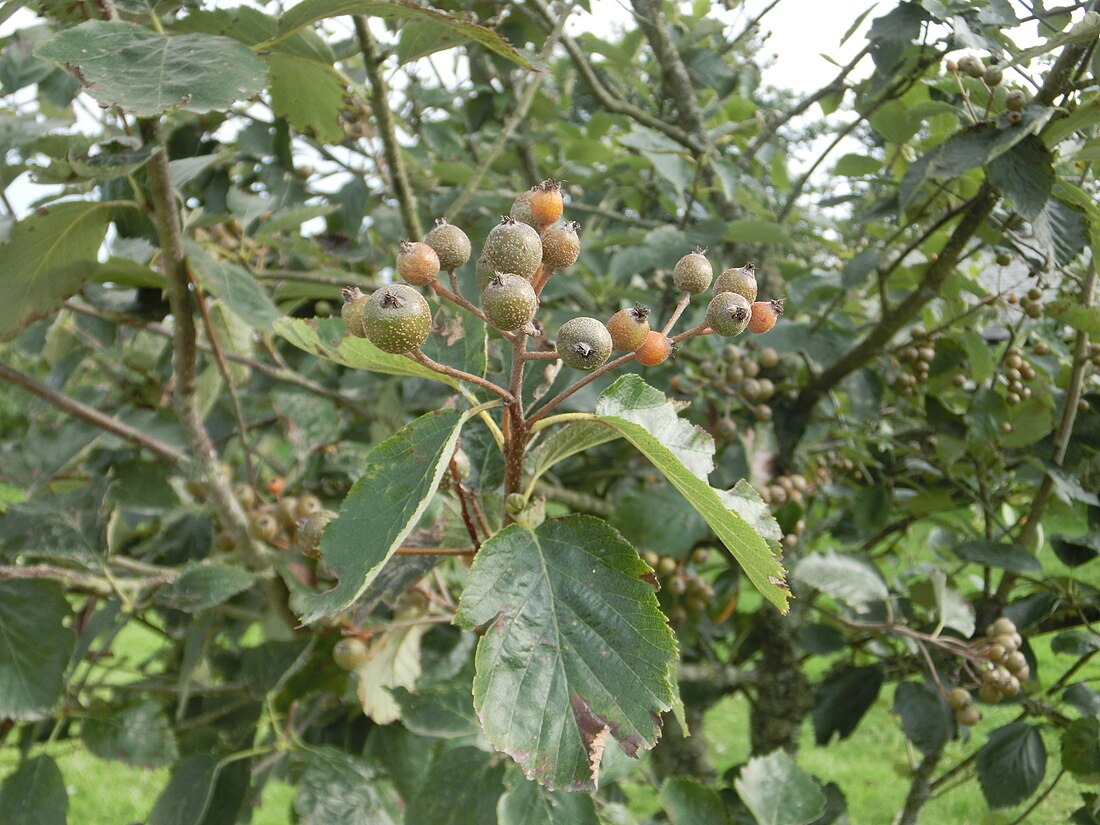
(651, 577)
(594, 730)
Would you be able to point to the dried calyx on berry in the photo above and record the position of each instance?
(397, 319)
(450, 243)
(509, 301)
(583, 343)
(561, 245)
(693, 272)
(764, 315)
(729, 313)
(513, 247)
(739, 279)
(417, 263)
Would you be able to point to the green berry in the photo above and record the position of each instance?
(693, 272)
(739, 279)
(971, 65)
(629, 328)
(561, 246)
(768, 358)
(417, 263)
(484, 271)
(521, 209)
(350, 654)
(310, 529)
(450, 244)
(583, 343)
(509, 301)
(514, 248)
(729, 313)
(352, 311)
(1015, 100)
(993, 76)
(1003, 259)
(397, 319)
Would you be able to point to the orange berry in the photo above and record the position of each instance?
(417, 263)
(546, 202)
(654, 350)
(764, 315)
(276, 485)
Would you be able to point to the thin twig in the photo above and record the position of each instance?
(443, 369)
(1039, 799)
(459, 300)
(685, 299)
(588, 379)
(435, 551)
(457, 482)
(165, 452)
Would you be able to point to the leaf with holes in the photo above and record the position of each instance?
(148, 74)
(575, 648)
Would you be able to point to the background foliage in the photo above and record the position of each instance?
(921, 428)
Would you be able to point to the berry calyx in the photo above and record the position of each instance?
(352, 311)
(546, 202)
(561, 245)
(509, 301)
(450, 244)
(693, 272)
(513, 247)
(729, 313)
(739, 279)
(350, 654)
(629, 328)
(655, 350)
(764, 315)
(417, 263)
(397, 319)
(583, 343)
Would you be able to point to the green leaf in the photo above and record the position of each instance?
(34, 794)
(1001, 555)
(569, 440)
(148, 74)
(35, 647)
(632, 399)
(1075, 642)
(420, 38)
(266, 667)
(856, 166)
(234, 285)
(187, 795)
(473, 781)
(747, 546)
(1061, 230)
(138, 735)
(926, 718)
(394, 662)
(1025, 174)
(46, 258)
(743, 499)
(778, 792)
(1081, 749)
(846, 578)
(528, 803)
(444, 710)
(1081, 318)
(311, 11)
(1011, 764)
(309, 93)
(339, 787)
(575, 648)
(204, 586)
(690, 802)
(383, 507)
(325, 337)
(842, 700)
(747, 230)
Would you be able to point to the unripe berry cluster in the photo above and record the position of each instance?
(284, 520)
(917, 359)
(682, 586)
(1003, 668)
(1015, 371)
(989, 77)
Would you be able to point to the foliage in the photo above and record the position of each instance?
(533, 571)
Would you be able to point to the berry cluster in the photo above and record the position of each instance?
(918, 357)
(1002, 670)
(686, 592)
(989, 77)
(294, 521)
(742, 374)
(1015, 371)
(519, 256)
(1031, 303)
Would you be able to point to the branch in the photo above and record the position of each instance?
(588, 379)
(443, 369)
(513, 122)
(164, 452)
(166, 218)
(379, 100)
(920, 789)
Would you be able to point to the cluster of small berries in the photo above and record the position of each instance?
(687, 592)
(991, 76)
(519, 256)
(1005, 669)
(287, 521)
(1031, 303)
(1015, 371)
(918, 356)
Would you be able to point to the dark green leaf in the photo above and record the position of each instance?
(383, 507)
(1011, 764)
(186, 797)
(338, 787)
(563, 442)
(311, 11)
(1001, 555)
(35, 647)
(1075, 642)
(575, 648)
(1076, 551)
(528, 803)
(233, 285)
(204, 586)
(445, 710)
(778, 792)
(462, 787)
(1081, 749)
(309, 93)
(926, 717)
(420, 38)
(138, 735)
(148, 74)
(842, 700)
(846, 578)
(656, 517)
(1025, 173)
(748, 230)
(1061, 230)
(1083, 698)
(690, 802)
(265, 668)
(46, 258)
(34, 794)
